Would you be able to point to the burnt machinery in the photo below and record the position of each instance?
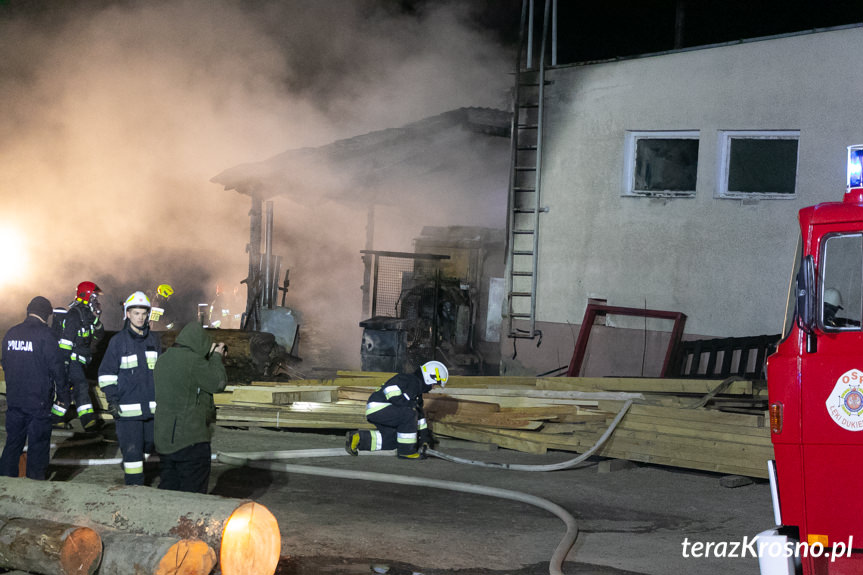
(426, 306)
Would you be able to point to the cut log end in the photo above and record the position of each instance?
(187, 557)
(81, 552)
(251, 542)
(43, 546)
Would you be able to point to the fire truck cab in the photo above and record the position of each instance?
(815, 387)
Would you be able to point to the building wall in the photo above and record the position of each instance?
(724, 263)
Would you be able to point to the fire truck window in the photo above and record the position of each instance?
(842, 278)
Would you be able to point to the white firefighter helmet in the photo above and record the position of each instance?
(435, 373)
(833, 297)
(137, 299)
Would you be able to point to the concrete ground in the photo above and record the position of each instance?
(632, 520)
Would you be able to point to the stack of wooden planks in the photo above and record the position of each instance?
(674, 422)
(669, 424)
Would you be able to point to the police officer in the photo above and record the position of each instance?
(34, 372)
(395, 409)
(126, 377)
(80, 330)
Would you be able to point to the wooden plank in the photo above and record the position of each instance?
(540, 393)
(442, 405)
(347, 373)
(519, 402)
(554, 428)
(701, 414)
(747, 456)
(706, 440)
(283, 396)
(688, 427)
(748, 460)
(485, 436)
(455, 380)
(545, 411)
(494, 420)
(338, 382)
(641, 384)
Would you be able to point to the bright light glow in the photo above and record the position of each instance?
(238, 523)
(13, 255)
(855, 167)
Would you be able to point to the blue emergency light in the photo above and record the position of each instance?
(855, 167)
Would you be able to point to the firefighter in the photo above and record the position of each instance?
(34, 373)
(80, 331)
(395, 408)
(158, 312)
(126, 378)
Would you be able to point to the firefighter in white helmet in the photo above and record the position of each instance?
(395, 409)
(126, 378)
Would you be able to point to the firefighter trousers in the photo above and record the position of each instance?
(81, 394)
(34, 429)
(136, 438)
(396, 429)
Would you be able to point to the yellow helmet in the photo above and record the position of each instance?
(165, 290)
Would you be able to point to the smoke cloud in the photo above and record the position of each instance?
(116, 115)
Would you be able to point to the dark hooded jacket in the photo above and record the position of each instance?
(186, 378)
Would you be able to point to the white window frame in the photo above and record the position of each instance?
(725, 137)
(630, 148)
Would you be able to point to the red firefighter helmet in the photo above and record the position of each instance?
(86, 291)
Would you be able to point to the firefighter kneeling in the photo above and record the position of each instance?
(396, 410)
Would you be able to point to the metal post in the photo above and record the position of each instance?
(375, 287)
(254, 249)
(529, 63)
(434, 312)
(274, 281)
(367, 258)
(267, 300)
(554, 33)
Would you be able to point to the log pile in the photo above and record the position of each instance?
(677, 422)
(142, 530)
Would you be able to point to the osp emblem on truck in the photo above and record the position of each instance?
(845, 402)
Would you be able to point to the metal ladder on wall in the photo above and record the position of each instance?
(524, 199)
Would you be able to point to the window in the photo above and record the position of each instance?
(757, 165)
(661, 164)
(842, 268)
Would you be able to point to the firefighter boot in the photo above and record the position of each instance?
(352, 441)
(414, 456)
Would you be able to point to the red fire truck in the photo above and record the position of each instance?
(815, 386)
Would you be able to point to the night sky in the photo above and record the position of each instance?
(602, 30)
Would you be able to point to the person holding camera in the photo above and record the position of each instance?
(186, 377)
(126, 379)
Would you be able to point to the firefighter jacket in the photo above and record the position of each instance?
(79, 330)
(160, 314)
(186, 377)
(33, 366)
(126, 372)
(404, 390)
